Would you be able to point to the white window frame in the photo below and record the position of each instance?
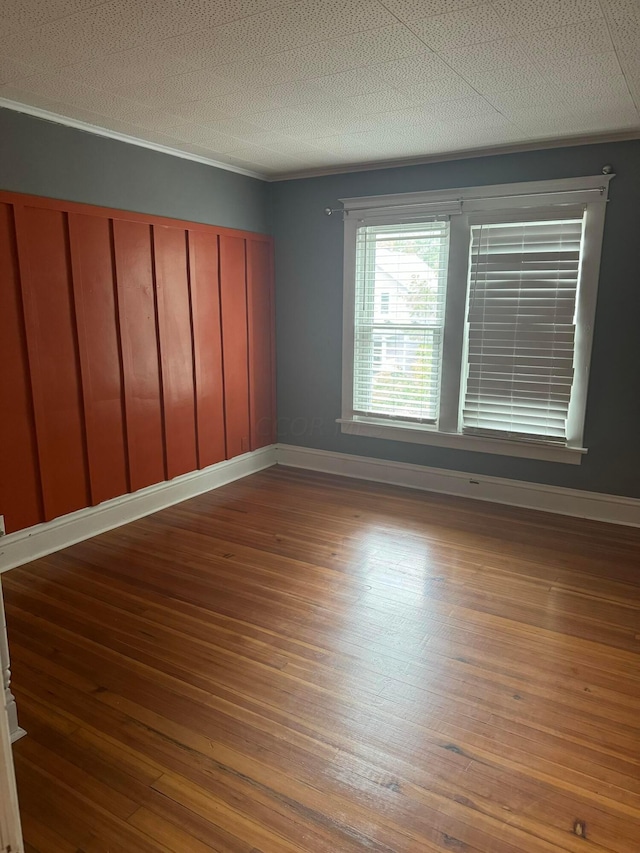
(459, 204)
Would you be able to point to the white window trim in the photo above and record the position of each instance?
(458, 203)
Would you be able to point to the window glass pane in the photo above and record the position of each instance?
(399, 318)
(523, 284)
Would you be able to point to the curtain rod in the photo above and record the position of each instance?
(606, 170)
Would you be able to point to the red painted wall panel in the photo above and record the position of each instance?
(207, 346)
(233, 299)
(176, 348)
(139, 343)
(98, 339)
(132, 348)
(260, 313)
(45, 272)
(20, 499)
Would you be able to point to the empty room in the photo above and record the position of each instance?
(319, 407)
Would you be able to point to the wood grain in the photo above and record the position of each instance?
(20, 490)
(298, 662)
(176, 349)
(133, 249)
(235, 347)
(261, 321)
(45, 272)
(93, 283)
(204, 278)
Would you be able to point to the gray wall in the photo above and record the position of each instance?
(49, 159)
(43, 158)
(309, 250)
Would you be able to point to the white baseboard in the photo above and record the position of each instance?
(42, 539)
(26, 545)
(15, 730)
(593, 505)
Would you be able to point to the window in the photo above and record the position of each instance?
(397, 354)
(469, 314)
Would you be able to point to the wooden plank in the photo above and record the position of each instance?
(139, 342)
(303, 662)
(233, 296)
(260, 312)
(45, 271)
(79, 778)
(20, 495)
(176, 348)
(207, 343)
(172, 836)
(79, 819)
(100, 361)
(44, 839)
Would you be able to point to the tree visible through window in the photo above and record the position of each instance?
(400, 319)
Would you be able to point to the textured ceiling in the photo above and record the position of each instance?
(285, 87)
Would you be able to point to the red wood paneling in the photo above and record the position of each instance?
(176, 348)
(20, 498)
(260, 314)
(97, 322)
(45, 273)
(132, 348)
(139, 343)
(113, 213)
(233, 298)
(207, 346)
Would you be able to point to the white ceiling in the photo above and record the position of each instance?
(283, 87)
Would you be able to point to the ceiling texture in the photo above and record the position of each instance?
(282, 88)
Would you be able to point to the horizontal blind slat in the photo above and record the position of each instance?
(523, 281)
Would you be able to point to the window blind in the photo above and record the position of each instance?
(523, 283)
(399, 319)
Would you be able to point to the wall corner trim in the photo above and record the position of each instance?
(42, 539)
(614, 509)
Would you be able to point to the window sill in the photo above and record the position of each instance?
(429, 435)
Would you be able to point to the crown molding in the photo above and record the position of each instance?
(463, 154)
(97, 130)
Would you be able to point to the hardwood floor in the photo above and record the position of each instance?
(298, 662)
